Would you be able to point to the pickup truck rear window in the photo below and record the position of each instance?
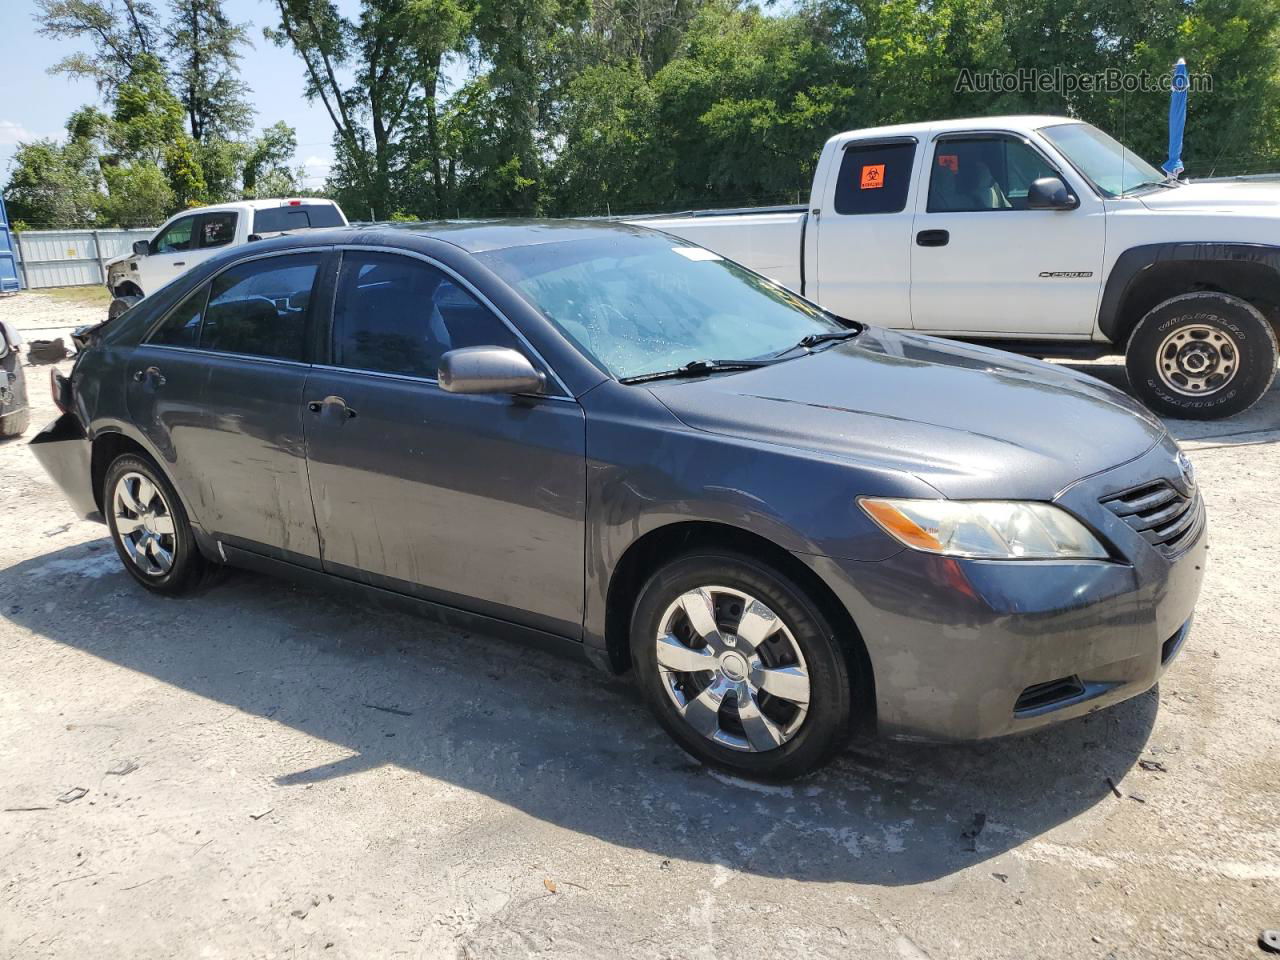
(302, 217)
(874, 178)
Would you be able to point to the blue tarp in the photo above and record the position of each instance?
(1177, 119)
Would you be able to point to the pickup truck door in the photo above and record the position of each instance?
(184, 243)
(863, 235)
(171, 252)
(982, 264)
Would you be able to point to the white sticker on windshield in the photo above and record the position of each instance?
(696, 253)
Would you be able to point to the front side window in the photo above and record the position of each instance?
(874, 178)
(639, 303)
(176, 237)
(260, 308)
(181, 328)
(217, 229)
(983, 173)
(396, 314)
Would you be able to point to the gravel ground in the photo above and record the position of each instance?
(271, 772)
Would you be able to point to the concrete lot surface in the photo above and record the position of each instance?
(273, 772)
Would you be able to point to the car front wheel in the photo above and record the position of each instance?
(149, 527)
(740, 666)
(1202, 356)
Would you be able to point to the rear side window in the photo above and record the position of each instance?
(260, 308)
(181, 328)
(395, 314)
(301, 217)
(874, 178)
(217, 229)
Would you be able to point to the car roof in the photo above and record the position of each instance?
(1007, 122)
(245, 205)
(473, 236)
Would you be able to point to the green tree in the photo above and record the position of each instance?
(118, 32)
(138, 195)
(54, 185)
(204, 54)
(266, 165)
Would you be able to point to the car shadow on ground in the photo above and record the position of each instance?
(553, 738)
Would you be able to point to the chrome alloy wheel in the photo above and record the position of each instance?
(1197, 359)
(733, 669)
(144, 524)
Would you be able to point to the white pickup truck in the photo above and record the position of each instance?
(191, 236)
(1036, 233)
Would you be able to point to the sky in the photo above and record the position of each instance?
(35, 104)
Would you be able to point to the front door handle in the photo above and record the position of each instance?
(932, 238)
(151, 373)
(179, 263)
(331, 403)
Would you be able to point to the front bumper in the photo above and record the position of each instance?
(970, 649)
(64, 451)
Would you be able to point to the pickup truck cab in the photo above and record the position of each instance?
(1036, 233)
(195, 235)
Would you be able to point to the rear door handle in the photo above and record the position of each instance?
(179, 263)
(932, 238)
(336, 404)
(151, 373)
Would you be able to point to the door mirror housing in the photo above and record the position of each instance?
(1050, 193)
(142, 248)
(489, 370)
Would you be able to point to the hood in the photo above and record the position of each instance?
(969, 421)
(1217, 196)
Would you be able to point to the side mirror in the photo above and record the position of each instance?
(142, 248)
(489, 370)
(1050, 193)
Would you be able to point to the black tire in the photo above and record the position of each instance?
(1237, 340)
(120, 304)
(15, 414)
(188, 567)
(822, 730)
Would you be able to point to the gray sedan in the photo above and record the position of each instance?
(600, 438)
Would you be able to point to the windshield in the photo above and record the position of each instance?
(1109, 165)
(640, 304)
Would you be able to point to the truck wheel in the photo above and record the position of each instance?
(119, 305)
(1201, 356)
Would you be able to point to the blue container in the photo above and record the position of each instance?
(9, 281)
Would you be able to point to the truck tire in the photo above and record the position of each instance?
(1201, 356)
(15, 415)
(119, 305)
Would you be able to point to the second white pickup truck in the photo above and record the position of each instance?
(1041, 234)
(192, 236)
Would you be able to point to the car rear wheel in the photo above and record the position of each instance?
(150, 528)
(740, 666)
(15, 415)
(1202, 356)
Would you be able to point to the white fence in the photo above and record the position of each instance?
(66, 258)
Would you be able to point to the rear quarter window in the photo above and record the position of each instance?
(874, 178)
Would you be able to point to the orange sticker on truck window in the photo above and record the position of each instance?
(949, 160)
(872, 176)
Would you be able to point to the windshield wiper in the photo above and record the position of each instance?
(697, 368)
(813, 339)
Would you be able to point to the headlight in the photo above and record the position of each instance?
(985, 529)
